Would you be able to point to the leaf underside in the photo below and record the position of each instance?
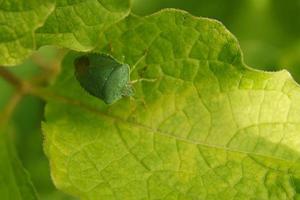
(209, 127)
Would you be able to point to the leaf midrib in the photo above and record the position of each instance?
(91, 109)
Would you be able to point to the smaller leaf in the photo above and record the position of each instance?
(18, 22)
(77, 24)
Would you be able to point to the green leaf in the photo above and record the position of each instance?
(77, 24)
(209, 128)
(18, 21)
(14, 180)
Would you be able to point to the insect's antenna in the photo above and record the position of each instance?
(143, 79)
(138, 62)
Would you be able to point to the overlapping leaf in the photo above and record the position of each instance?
(72, 24)
(18, 21)
(209, 127)
(77, 24)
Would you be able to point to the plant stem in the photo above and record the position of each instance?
(10, 78)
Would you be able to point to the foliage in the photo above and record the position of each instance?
(208, 127)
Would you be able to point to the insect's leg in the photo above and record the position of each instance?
(131, 98)
(142, 79)
(138, 62)
(144, 103)
(141, 100)
(134, 99)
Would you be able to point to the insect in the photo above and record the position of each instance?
(103, 77)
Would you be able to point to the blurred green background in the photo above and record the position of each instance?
(268, 32)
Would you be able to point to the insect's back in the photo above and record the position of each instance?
(116, 84)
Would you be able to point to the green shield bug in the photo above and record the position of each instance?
(103, 77)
